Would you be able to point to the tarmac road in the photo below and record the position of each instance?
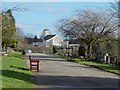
(58, 73)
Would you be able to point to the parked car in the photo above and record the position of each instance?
(28, 51)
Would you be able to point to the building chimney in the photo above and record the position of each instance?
(45, 32)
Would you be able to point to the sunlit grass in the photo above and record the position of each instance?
(0, 72)
(15, 73)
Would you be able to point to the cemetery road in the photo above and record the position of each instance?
(56, 72)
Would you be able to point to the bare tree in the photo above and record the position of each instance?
(20, 38)
(90, 26)
(114, 8)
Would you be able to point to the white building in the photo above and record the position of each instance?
(54, 40)
(47, 39)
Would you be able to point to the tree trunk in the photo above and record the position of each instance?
(88, 51)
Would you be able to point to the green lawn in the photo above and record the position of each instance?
(0, 72)
(15, 73)
(106, 67)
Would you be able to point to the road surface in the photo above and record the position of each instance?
(58, 73)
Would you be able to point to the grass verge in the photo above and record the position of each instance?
(15, 73)
(0, 72)
(106, 67)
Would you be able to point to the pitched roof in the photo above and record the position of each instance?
(48, 37)
(31, 40)
(37, 40)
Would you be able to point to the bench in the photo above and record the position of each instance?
(34, 63)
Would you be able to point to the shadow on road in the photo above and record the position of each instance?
(76, 82)
(66, 81)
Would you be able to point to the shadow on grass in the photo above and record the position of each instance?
(21, 68)
(17, 75)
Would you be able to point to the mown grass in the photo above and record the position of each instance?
(0, 72)
(15, 73)
(106, 67)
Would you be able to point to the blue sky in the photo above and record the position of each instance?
(42, 15)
